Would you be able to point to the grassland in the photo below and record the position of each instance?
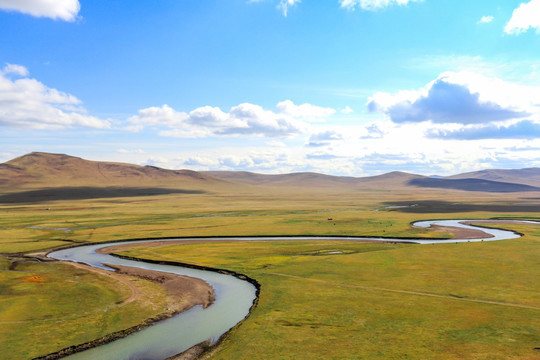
(45, 307)
(27, 228)
(380, 301)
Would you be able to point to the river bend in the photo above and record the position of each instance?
(234, 297)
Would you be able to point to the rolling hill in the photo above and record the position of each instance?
(52, 170)
(315, 180)
(468, 184)
(530, 176)
(72, 175)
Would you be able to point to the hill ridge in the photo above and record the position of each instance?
(41, 169)
(48, 169)
(525, 176)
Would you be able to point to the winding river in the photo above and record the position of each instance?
(234, 297)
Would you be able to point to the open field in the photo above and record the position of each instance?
(249, 211)
(45, 307)
(322, 302)
(380, 301)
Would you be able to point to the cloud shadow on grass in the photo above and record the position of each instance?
(472, 185)
(86, 192)
(436, 206)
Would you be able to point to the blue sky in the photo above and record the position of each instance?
(344, 87)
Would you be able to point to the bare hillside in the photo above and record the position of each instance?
(529, 176)
(53, 170)
(309, 179)
(38, 170)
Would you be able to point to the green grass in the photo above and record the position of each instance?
(29, 309)
(380, 301)
(47, 307)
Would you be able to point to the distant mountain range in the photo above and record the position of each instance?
(44, 170)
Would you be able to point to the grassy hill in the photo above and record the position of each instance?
(395, 179)
(530, 176)
(39, 170)
(471, 184)
(52, 170)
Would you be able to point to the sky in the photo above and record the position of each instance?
(341, 87)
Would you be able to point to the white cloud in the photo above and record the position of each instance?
(524, 129)
(406, 146)
(253, 159)
(373, 131)
(126, 151)
(347, 110)
(276, 144)
(372, 5)
(159, 161)
(213, 117)
(324, 138)
(284, 5)
(459, 97)
(236, 162)
(304, 111)
(158, 116)
(526, 16)
(28, 103)
(255, 120)
(243, 119)
(55, 9)
(185, 133)
(15, 70)
(202, 162)
(486, 19)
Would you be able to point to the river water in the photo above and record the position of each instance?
(234, 298)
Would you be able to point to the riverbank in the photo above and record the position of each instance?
(454, 301)
(173, 285)
(183, 292)
(462, 233)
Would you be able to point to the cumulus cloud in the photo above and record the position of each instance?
(372, 5)
(525, 129)
(55, 9)
(208, 116)
(304, 111)
(324, 138)
(157, 116)
(347, 110)
(15, 70)
(246, 160)
(243, 119)
(372, 131)
(284, 5)
(464, 98)
(250, 119)
(486, 19)
(28, 103)
(201, 161)
(526, 16)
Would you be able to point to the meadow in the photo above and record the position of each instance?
(346, 300)
(312, 305)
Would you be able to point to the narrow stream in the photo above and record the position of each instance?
(234, 297)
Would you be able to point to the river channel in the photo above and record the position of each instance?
(234, 297)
